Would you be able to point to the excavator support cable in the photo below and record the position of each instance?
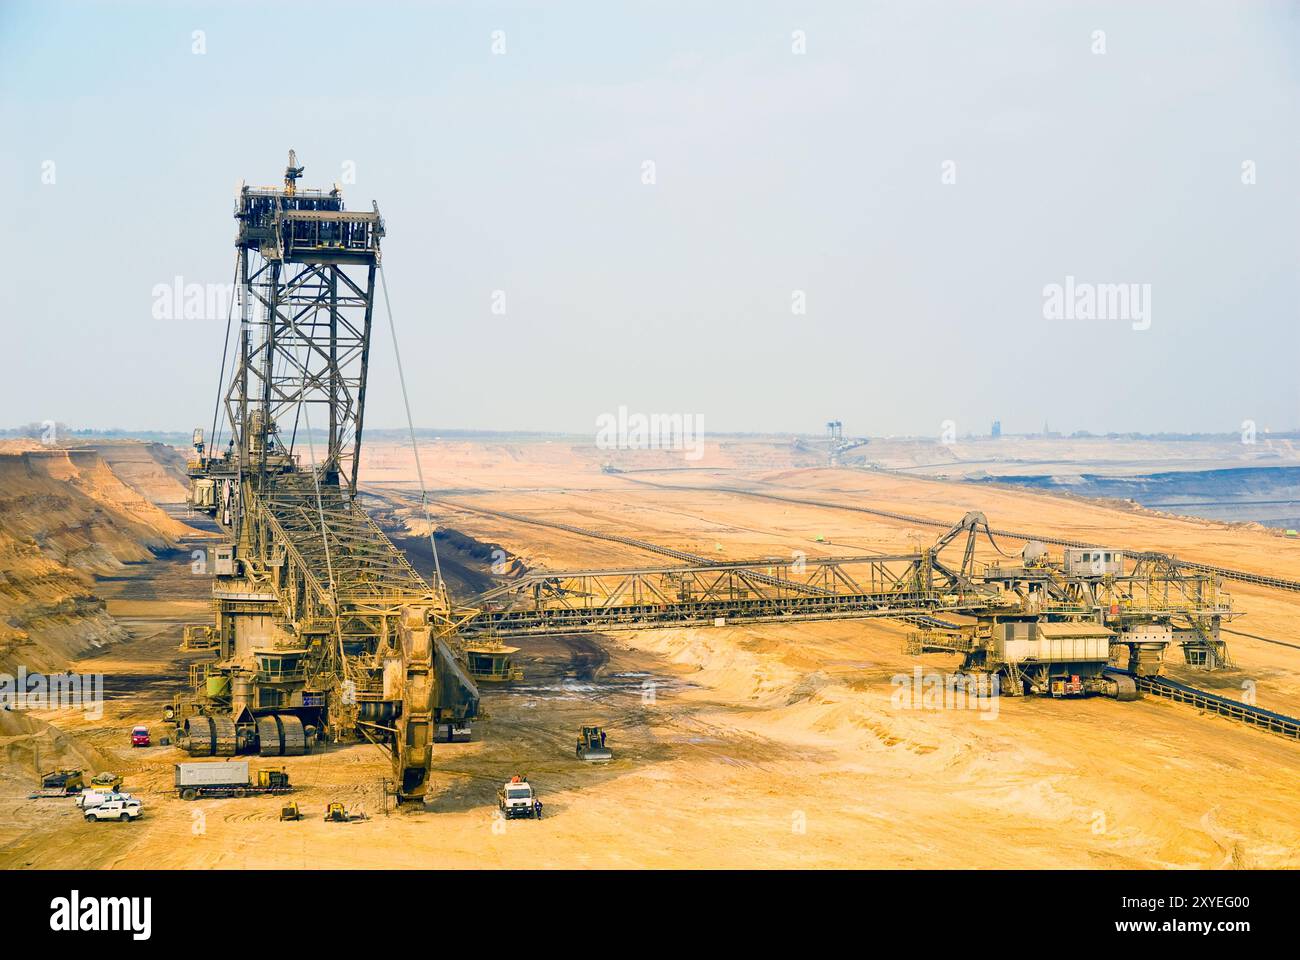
(415, 447)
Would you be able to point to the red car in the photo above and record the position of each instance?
(140, 737)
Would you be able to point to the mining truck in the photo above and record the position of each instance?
(65, 781)
(516, 799)
(60, 783)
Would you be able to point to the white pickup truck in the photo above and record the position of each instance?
(123, 810)
(89, 799)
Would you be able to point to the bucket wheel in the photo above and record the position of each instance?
(413, 740)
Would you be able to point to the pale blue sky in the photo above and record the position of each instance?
(775, 173)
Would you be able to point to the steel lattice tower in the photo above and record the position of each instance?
(306, 293)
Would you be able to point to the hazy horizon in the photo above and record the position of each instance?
(423, 433)
(914, 177)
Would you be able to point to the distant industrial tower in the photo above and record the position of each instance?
(836, 444)
(834, 437)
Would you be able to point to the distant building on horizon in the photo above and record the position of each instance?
(997, 429)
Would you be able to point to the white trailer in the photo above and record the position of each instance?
(212, 773)
(229, 778)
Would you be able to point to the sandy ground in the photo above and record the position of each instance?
(759, 746)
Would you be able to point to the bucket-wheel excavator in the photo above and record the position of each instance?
(323, 629)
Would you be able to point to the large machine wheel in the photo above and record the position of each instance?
(270, 739)
(1125, 688)
(200, 736)
(226, 739)
(295, 735)
(211, 736)
(281, 735)
(413, 739)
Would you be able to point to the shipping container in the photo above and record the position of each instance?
(212, 773)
